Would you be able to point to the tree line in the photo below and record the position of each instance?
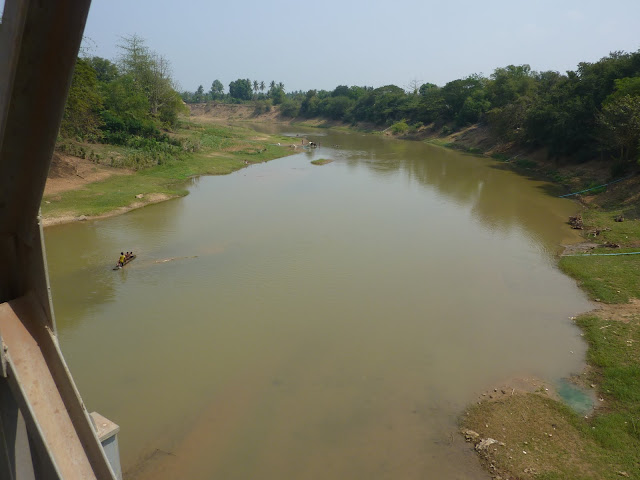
(240, 90)
(594, 110)
(129, 101)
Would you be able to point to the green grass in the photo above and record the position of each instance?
(321, 161)
(611, 279)
(216, 151)
(618, 232)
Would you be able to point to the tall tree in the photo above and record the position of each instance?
(199, 94)
(256, 86)
(135, 60)
(217, 89)
(106, 71)
(161, 86)
(151, 76)
(262, 87)
(240, 89)
(81, 117)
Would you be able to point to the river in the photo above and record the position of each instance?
(299, 321)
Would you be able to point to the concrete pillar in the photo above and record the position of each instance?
(107, 433)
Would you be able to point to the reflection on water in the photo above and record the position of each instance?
(317, 322)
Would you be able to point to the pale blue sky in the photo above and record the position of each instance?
(356, 42)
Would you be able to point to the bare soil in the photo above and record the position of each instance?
(620, 312)
(71, 173)
(213, 112)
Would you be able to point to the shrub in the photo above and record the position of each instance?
(289, 108)
(399, 128)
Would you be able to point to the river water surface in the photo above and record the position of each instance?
(293, 321)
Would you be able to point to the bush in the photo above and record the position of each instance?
(289, 108)
(399, 128)
(619, 169)
(262, 106)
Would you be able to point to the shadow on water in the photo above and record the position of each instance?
(493, 194)
(551, 189)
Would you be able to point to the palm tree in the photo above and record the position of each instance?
(281, 86)
(255, 86)
(272, 85)
(262, 87)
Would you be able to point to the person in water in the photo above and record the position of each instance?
(121, 259)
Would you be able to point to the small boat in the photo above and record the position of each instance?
(118, 266)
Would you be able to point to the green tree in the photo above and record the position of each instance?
(381, 106)
(455, 95)
(338, 108)
(81, 114)
(625, 86)
(620, 120)
(510, 83)
(240, 89)
(106, 71)
(289, 108)
(199, 95)
(276, 92)
(341, 91)
(161, 89)
(135, 60)
(425, 88)
(217, 90)
(309, 105)
(126, 111)
(151, 75)
(256, 87)
(262, 87)
(277, 95)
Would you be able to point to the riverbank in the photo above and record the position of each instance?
(88, 188)
(537, 436)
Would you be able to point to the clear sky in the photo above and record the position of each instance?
(324, 44)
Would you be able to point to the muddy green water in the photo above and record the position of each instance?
(310, 322)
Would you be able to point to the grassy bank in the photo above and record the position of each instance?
(213, 150)
(544, 439)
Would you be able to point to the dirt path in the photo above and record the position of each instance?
(71, 173)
